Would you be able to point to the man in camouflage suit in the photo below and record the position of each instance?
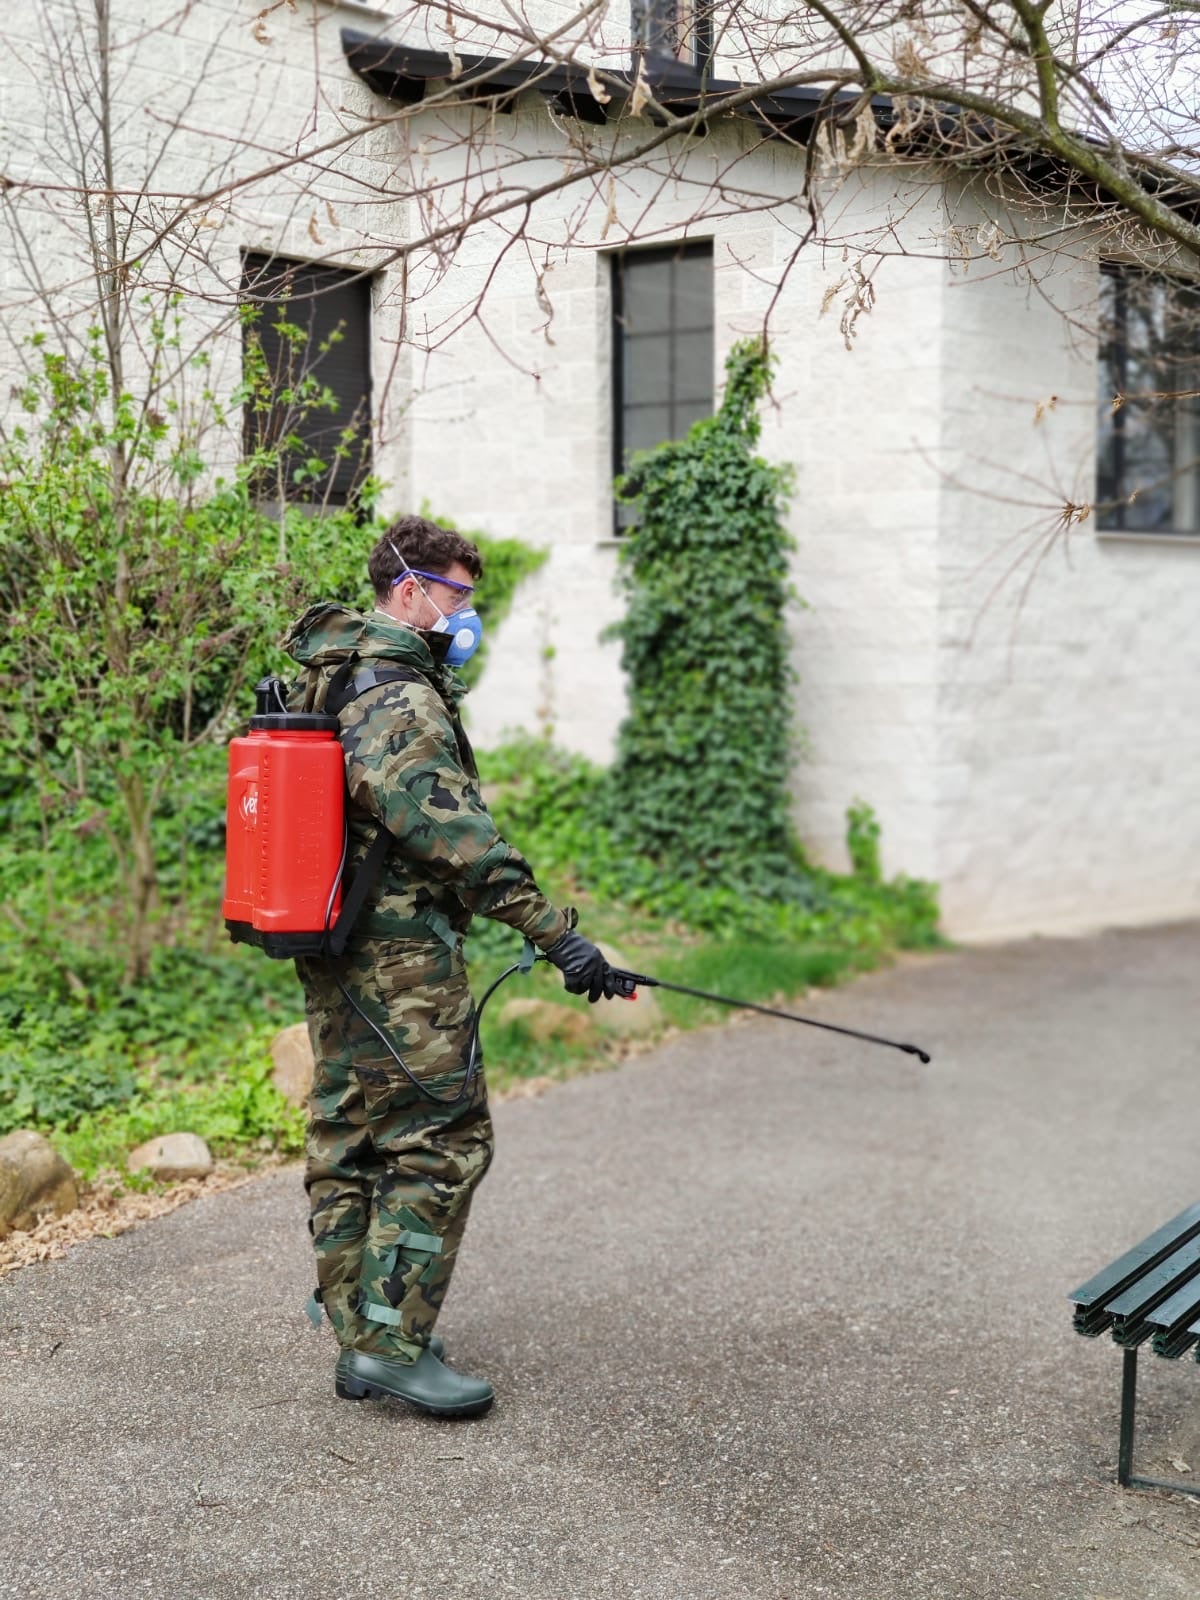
(391, 1170)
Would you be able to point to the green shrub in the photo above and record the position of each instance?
(699, 788)
(862, 842)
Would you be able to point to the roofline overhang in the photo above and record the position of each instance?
(402, 73)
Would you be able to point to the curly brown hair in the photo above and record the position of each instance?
(423, 545)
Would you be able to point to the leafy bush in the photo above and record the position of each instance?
(551, 804)
(699, 787)
(136, 610)
(39, 1086)
(89, 1042)
(862, 842)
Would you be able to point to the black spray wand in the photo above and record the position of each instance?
(629, 981)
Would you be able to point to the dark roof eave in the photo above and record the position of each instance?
(402, 73)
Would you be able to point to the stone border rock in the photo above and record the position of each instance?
(106, 1210)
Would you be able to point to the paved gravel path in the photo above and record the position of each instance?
(771, 1315)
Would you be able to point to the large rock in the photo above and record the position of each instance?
(172, 1157)
(292, 1055)
(546, 1019)
(35, 1182)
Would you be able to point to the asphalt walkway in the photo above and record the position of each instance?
(770, 1314)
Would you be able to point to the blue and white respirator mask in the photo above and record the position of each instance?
(463, 626)
(466, 631)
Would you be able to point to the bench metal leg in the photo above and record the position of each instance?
(1128, 1408)
(1125, 1475)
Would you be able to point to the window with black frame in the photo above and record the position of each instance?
(679, 30)
(662, 348)
(307, 362)
(1148, 439)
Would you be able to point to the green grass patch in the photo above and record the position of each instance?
(770, 974)
(241, 1116)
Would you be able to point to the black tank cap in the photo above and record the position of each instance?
(295, 722)
(271, 714)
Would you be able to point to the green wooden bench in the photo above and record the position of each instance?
(1151, 1293)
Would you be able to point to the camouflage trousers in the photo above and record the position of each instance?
(390, 1173)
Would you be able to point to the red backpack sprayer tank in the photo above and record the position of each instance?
(284, 829)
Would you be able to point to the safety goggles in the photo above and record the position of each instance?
(462, 592)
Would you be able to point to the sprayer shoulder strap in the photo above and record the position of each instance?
(344, 687)
(346, 684)
(353, 679)
(360, 886)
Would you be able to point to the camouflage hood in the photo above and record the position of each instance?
(328, 634)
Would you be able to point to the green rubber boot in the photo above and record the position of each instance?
(425, 1383)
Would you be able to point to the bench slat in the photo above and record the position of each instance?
(1183, 1306)
(1166, 1297)
(1173, 1345)
(1152, 1287)
(1125, 1271)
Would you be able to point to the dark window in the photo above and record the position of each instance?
(311, 390)
(663, 347)
(1148, 440)
(677, 29)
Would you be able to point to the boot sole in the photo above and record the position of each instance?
(356, 1389)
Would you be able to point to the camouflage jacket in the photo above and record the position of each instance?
(409, 766)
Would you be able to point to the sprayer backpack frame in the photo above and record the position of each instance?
(286, 830)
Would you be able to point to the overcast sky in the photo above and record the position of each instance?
(1151, 79)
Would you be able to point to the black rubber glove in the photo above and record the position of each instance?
(584, 969)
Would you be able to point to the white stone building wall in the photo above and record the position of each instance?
(1068, 743)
